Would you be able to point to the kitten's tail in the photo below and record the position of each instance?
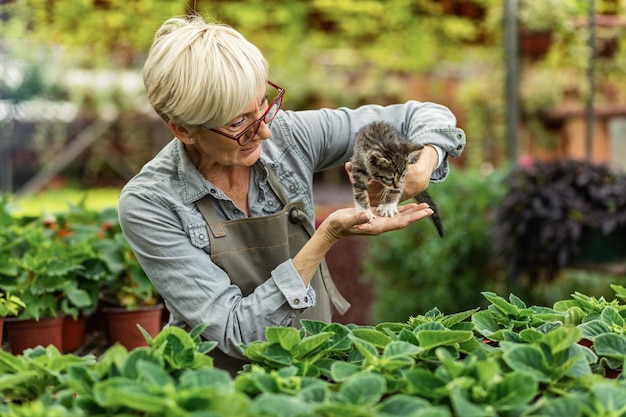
(424, 197)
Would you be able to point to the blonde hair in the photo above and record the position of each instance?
(202, 73)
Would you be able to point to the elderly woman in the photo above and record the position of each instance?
(222, 218)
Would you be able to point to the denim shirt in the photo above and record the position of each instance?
(163, 226)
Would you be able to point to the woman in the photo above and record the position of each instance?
(221, 219)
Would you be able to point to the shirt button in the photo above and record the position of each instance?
(306, 299)
(292, 187)
(458, 148)
(459, 136)
(296, 301)
(259, 200)
(270, 203)
(236, 211)
(201, 236)
(213, 190)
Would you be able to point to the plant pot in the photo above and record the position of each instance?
(74, 332)
(122, 324)
(29, 333)
(535, 44)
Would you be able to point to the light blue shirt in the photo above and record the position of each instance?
(160, 220)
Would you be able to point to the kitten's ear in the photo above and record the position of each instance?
(376, 158)
(414, 152)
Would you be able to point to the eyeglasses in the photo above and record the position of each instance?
(244, 136)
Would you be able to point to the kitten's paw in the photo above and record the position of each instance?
(388, 210)
(369, 212)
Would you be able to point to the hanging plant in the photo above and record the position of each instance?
(553, 209)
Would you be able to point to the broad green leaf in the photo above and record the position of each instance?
(287, 337)
(395, 327)
(611, 345)
(313, 326)
(401, 349)
(430, 339)
(365, 389)
(375, 337)
(213, 378)
(452, 319)
(611, 317)
(153, 374)
(432, 325)
(311, 344)
(526, 359)
(280, 405)
(122, 392)
(531, 335)
(484, 322)
(558, 407)
(274, 353)
(503, 305)
(422, 382)
(562, 338)
(368, 350)
(463, 407)
(341, 371)
(401, 405)
(341, 340)
(515, 389)
(517, 302)
(593, 328)
(612, 397)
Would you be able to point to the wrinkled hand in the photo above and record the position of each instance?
(349, 222)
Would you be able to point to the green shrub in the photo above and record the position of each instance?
(413, 270)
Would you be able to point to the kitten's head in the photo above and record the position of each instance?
(388, 161)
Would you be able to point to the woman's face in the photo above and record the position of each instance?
(227, 152)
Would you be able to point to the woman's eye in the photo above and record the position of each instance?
(237, 124)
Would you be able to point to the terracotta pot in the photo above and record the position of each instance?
(30, 333)
(122, 324)
(74, 332)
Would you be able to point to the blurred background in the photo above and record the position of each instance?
(532, 82)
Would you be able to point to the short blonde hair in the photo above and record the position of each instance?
(202, 73)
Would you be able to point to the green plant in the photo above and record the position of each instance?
(551, 209)
(10, 304)
(416, 368)
(548, 15)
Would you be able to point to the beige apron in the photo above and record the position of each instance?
(249, 249)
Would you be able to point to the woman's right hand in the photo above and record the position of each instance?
(349, 222)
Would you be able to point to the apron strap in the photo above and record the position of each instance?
(298, 216)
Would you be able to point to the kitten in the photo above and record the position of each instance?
(383, 153)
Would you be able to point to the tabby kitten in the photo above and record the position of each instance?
(383, 153)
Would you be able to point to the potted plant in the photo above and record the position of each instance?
(10, 305)
(561, 213)
(539, 20)
(128, 297)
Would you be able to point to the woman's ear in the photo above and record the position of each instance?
(180, 132)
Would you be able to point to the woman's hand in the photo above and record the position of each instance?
(349, 222)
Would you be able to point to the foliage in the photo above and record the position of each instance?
(62, 263)
(10, 305)
(433, 365)
(412, 268)
(551, 208)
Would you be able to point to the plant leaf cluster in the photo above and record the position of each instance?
(432, 365)
(552, 208)
(61, 264)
